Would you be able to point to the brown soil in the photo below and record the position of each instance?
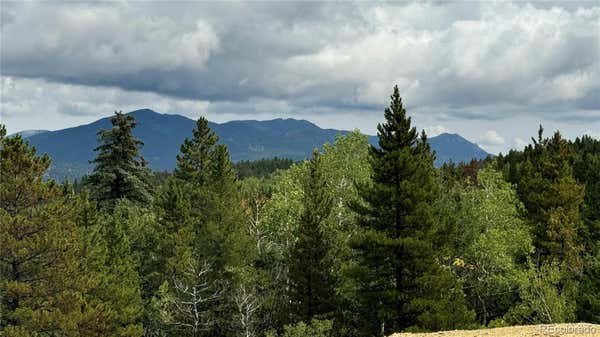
(549, 330)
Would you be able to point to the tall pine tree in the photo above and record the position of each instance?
(312, 283)
(120, 172)
(202, 207)
(396, 262)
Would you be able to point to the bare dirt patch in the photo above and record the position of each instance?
(547, 330)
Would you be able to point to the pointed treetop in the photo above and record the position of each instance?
(195, 157)
(540, 135)
(396, 132)
(119, 170)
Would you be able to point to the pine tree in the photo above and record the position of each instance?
(49, 280)
(223, 237)
(112, 271)
(553, 199)
(210, 226)
(312, 282)
(396, 216)
(120, 172)
(123, 288)
(195, 156)
(585, 169)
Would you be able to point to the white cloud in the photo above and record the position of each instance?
(491, 137)
(519, 143)
(458, 64)
(76, 41)
(457, 57)
(436, 130)
(37, 104)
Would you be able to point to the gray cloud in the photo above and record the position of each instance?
(485, 61)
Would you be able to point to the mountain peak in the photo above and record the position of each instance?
(144, 113)
(454, 147)
(449, 135)
(71, 149)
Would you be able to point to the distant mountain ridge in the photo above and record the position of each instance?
(71, 149)
(451, 147)
(28, 133)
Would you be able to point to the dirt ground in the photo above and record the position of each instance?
(549, 330)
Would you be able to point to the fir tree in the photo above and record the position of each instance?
(120, 172)
(312, 282)
(396, 216)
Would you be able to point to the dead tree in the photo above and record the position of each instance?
(192, 294)
(247, 303)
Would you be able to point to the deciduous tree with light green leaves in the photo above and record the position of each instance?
(492, 243)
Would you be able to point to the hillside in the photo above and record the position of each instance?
(453, 147)
(571, 330)
(71, 149)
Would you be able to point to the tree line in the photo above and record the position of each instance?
(358, 240)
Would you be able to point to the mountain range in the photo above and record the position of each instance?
(71, 149)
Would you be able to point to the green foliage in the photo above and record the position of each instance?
(357, 241)
(588, 301)
(311, 279)
(543, 298)
(394, 248)
(119, 172)
(195, 156)
(316, 328)
(441, 304)
(553, 200)
(490, 243)
(586, 162)
(201, 217)
(53, 278)
(261, 168)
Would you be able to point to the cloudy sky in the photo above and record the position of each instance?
(490, 71)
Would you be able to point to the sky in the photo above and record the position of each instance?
(491, 71)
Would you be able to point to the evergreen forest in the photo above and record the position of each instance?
(358, 240)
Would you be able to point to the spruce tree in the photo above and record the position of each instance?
(120, 172)
(310, 266)
(396, 217)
